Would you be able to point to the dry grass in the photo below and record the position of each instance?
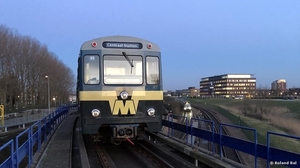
(234, 110)
(289, 124)
(279, 120)
(280, 117)
(268, 117)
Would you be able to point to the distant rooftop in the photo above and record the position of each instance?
(229, 76)
(281, 80)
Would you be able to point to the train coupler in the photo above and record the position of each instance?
(124, 131)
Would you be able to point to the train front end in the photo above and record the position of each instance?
(119, 88)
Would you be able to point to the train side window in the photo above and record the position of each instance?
(91, 69)
(152, 70)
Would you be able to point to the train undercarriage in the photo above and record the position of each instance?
(116, 134)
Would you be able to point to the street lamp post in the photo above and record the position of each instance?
(54, 99)
(48, 94)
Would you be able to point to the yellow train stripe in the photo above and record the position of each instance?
(111, 97)
(105, 95)
(96, 95)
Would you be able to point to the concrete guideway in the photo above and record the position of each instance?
(57, 153)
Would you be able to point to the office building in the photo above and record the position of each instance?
(228, 85)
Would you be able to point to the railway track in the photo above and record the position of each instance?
(227, 152)
(142, 153)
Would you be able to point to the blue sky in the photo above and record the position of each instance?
(198, 38)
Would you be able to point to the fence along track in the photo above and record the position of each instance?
(208, 127)
(181, 136)
(228, 152)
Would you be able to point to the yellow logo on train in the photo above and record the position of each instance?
(124, 108)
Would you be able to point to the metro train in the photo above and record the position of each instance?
(119, 88)
(185, 105)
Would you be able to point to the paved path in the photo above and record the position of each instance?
(58, 152)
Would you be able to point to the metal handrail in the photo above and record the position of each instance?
(45, 129)
(261, 151)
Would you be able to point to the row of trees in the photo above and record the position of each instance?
(24, 63)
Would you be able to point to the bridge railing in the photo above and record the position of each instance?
(209, 133)
(271, 154)
(30, 140)
(240, 148)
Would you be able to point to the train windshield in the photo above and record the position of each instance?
(121, 70)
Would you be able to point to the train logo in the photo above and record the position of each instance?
(124, 107)
(117, 106)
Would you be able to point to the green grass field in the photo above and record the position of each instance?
(292, 105)
(227, 106)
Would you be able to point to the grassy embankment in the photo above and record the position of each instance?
(263, 115)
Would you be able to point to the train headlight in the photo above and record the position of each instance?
(95, 113)
(151, 112)
(124, 95)
(187, 108)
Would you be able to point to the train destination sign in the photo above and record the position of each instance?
(122, 45)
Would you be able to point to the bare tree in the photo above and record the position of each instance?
(24, 63)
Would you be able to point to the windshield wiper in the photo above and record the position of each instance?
(126, 57)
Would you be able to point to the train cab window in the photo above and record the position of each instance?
(91, 69)
(152, 70)
(120, 69)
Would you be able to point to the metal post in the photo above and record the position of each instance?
(48, 94)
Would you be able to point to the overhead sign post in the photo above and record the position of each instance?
(2, 114)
